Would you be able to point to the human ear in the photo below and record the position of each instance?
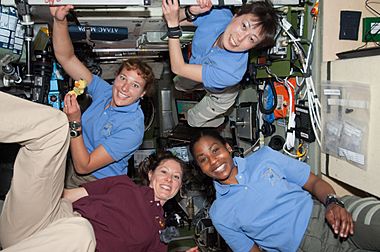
(150, 174)
(228, 147)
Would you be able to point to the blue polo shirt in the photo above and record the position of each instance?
(268, 207)
(220, 68)
(119, 129)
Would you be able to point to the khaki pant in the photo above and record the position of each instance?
(209, 112)
(319, 236)
(73, 179)
(33, 209)
(72, 234)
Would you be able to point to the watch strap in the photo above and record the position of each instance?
(174, 32)
(189, 16)
(333, 199)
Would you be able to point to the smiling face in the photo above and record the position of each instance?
(166, 180)
(242, 34)
(214, 159)
(128, 87)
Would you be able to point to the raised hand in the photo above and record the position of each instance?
(170, 9)
(60, 12)
(201, 7)
(72, 108)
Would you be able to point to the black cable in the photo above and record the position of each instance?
(369, 37)
(369, 34)
(360, 47)
(367, 2)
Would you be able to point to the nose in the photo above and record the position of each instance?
(243, 35)
(213, 160)
(169, 178)
(125, 86)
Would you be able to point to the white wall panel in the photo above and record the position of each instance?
(364, 70)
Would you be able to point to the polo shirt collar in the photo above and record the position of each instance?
(126, 109)
(148, 196)
(224, 189)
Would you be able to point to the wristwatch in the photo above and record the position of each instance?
(332, 198)
(75, 129)
(189, 16)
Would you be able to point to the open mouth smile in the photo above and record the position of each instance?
(221, 168)
(166, 187)
(123, 96)
(233, 42)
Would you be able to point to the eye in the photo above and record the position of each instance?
(252, 40)
(215, 150)
(136, 85)
(244, 26)
(163, 171)
(202, 160)
(122, 77)
(177, 177)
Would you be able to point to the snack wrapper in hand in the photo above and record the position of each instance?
(79, 87)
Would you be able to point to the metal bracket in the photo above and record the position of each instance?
(125, 3)
(245, 121)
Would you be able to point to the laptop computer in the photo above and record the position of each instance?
(183, 131)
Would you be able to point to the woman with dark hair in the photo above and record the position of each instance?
(110, 214)
(219, 52)
(112, 127)
(150, 163)
(137, 210)
(265, 201)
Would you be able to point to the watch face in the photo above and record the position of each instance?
(74, 125)
(74, 133)
(333, 199)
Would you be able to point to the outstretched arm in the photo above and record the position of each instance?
(338, 217)
(63, 47)
(173, 16)
(84, 162)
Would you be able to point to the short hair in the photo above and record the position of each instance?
(143, 69)
(153, 161)
(267, 18)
